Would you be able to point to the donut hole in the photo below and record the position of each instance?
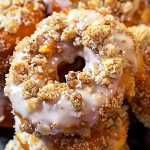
(64, 68)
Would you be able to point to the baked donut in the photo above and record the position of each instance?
(141, 103)
(86, 98)
(127, 11)
(111, 136)
(18, 19)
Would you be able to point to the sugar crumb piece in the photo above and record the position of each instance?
(76, 101)
(32, 104)
(85, 77)
(57, 21)
(49, 92)
(21, 67)
(101, 78)
(72, 79)
(113, 67)
(30, 89)
(68, 34)
(94, 35)
(39, 60)
(77, 42)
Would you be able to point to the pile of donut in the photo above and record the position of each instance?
(67, 66)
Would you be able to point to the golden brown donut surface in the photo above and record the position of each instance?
(17, 20)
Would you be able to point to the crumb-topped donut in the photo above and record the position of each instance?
(18, 19)
(141, 102)
(127, 11)
(87, 97)
(111, 136)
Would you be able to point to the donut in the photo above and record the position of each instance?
(111, 137)
(127, 11)
(141, 102)
(17, 20)
(87, 97)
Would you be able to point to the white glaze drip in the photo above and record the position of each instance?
(91, 16)
(126, 44)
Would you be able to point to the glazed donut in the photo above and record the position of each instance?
(141, 103)
(87, 97)
(17, 20)
(127, 11)
(112, 136)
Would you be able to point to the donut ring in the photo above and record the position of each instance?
(128, 12)
(17, 20)
(141, 103)
(87, 98)
(112, 136)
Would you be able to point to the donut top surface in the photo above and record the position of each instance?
(33, 86)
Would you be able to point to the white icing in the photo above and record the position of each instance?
(91, 16)
(51, 111)
(126, 44)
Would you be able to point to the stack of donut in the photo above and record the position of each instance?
(70, 73)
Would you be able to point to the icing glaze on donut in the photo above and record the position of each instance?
(51, 111)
